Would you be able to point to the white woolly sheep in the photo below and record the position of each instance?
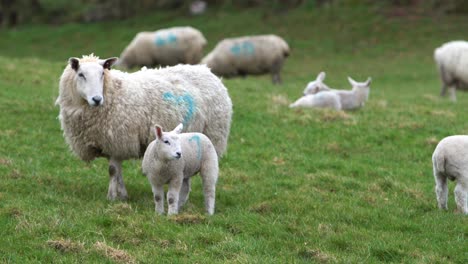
(317, 85)
(452, 62)
(248, 55)
(337, 99)
(109, 113)
(164, 47)
(450, 161)
(174, 158)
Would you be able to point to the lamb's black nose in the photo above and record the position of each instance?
(97, 99)
(178, 155)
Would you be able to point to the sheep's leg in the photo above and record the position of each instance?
(276, 70)
(441, 190)
(461, 197)
(184, 192)
(173, 195)
(158, 194)
(453, 96)
(209, 178)
(116, 185)
(443, 89)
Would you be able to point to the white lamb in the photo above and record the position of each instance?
(317, 85)
(450, 161)
(248, 55)
(337, 99)
(164, 47)
(109, 113)
(452, 62)
(174, 158)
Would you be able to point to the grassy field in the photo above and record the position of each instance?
(295, 186)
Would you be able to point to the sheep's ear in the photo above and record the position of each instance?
(351, 81)
(107, 63)
(368, 82)
(74, 63)
(159, 131)
(321, 76)
(178, 128)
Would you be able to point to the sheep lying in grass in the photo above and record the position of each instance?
(165, 47)
(450, 161)
(173, 158)
(337, 99)
(317, 85)
(452, 62)
(109, 113)
(248, 55)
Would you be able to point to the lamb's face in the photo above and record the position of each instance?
(317, 85)
(169, 147)
(89, 79)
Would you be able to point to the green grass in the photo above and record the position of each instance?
(296, 185)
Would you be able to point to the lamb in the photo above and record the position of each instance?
(450, 161)
(317, 85)
(452, 62)
(174, 158)
(109, 113)
(164, 47)
(248, 55)
(337, 99)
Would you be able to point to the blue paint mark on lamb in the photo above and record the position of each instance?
(196, 138)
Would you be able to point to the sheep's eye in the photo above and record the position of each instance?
(167, 142)
(81, 75)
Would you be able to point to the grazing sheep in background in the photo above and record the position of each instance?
(450, 161)
(165, 47)
(317, 85)
(337, 99)
(109, 113)
(248, 55)
(173, 158)
(452, 62)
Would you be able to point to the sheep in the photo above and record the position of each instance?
(317, 85)
(174, 158)
(450, 161)
(109, 113)
(164, 47)
(337, 99)
(248, 55)
(452, 62)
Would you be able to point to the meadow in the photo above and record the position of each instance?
(296, 186)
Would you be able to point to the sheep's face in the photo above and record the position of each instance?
(168, 143)
(317, 85)
(89, 79)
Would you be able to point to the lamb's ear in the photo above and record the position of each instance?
(178, 128)
(368, 82)
(159, 131)
(321, 76)
(74, 63)
(351, 81)
(107, 63)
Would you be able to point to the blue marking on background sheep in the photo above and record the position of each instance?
(186, 100)
(163, 41)
(196, 138)
(245, 48)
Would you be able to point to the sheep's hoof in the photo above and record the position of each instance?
(112, 196)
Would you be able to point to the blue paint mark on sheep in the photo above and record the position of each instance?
(165, 40)
(160, 41)
(186, 101)
(171, 38)
(245, 48)
(196, 138)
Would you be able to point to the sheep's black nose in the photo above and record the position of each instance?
(178, 155)
(97, 99)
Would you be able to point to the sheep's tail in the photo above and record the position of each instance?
(439, 162)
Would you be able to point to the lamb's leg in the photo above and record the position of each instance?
(209, 178)
(116, 185)
(441, 190)
(461, 196)
(184, 192)
(173, 195)
(158, 194)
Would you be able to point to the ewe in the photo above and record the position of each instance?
(173, 158)
(450, 161)
(164, 47)
(109, 113)
(452, 62)
(248, 55)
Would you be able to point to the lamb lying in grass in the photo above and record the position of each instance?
(173, 158)
(450, 161)
(317, 85)
(336, 99)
